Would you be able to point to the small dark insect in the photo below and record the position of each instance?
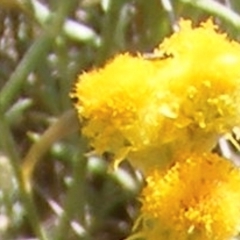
(74, 99)
(153, 56)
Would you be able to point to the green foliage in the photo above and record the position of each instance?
(43, 47)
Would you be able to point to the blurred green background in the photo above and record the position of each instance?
(44, 46)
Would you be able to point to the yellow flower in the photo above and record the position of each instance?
(114, 101)
(198, 198)
(197, 93)
(202, 77)
(148, 110)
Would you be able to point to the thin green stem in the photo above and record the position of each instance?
(72, 29)
(11, 89)
(9, 147)
(65, 125)
(33, 56)
(167, 6)
(110, 31)
(217, 9)
(54, 30)
(75, 201)
(64, 72)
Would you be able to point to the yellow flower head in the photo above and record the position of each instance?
(202, 78)
(139, 108)
(114, 100)
(198, 198)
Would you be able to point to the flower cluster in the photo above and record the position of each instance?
(136, 108)
(197, 198)
(167, 114)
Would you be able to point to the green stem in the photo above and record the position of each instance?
(110, 31)
(33, 56)
(9, 147)
(64, 73)
(54, 31)
(65, 125)
(75, 201)
(167, 6)
(72, 29)
(217, 9)
(11, 89)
